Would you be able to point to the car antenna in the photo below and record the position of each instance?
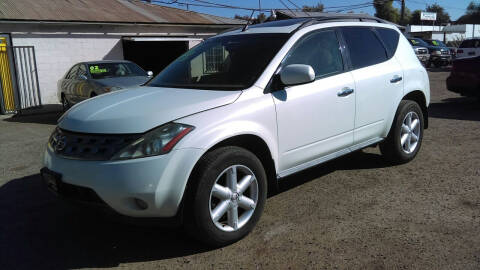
(249, 19)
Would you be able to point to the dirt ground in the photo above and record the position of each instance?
(353, 212)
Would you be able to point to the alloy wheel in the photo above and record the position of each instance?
(410, 132)
(233, 198)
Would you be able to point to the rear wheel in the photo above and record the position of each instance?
(227, 198)
(406, 134)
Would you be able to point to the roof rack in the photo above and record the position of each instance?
(339, 17)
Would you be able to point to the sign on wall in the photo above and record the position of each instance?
(428, 16)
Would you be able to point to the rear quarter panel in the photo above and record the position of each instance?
(415, 76)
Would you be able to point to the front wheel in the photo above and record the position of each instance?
(227, 197)
(405, 137)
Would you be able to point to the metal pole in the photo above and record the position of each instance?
(36, 77)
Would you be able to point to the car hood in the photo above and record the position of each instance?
(123, 82)
(140, 110)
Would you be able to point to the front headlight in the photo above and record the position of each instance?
(436, 52)
(158, 141)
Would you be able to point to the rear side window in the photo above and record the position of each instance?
(471, 43)
(364, 47)
(390, 39)
(321, 51)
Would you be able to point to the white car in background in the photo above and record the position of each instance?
(469, 48)
(207, 137)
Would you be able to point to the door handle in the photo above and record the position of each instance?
(345, 92)
(395, 79)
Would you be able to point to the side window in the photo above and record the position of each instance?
(364, 47)
(82, 71)
(390, 39)
(466, 44)
(72, 72)
(320, 50)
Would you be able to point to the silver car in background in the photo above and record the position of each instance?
(88, 79)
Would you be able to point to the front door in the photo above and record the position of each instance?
(315, 119)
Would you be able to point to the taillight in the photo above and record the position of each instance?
(459, 51)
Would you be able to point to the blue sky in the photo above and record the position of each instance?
(455, 8)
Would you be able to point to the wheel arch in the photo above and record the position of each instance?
(419, 97)
(252, 143)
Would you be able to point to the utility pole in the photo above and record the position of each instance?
(402, 12)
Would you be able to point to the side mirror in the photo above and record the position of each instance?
(82, 77)
(149, 73)
(297, 74)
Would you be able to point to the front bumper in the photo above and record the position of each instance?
(444, 58)
(464, 84)
(159, 181)
(423, 57)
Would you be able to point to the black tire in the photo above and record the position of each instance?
(392, 147)
(197, 219)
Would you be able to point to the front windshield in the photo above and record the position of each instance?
(437, 43)
(111, 70)
(417, 42)
(222, 63)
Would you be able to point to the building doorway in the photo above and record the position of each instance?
(153, 54)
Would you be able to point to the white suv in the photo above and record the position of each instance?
(204, 140)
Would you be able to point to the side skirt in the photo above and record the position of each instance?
(328, 157)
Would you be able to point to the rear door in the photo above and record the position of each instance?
(378, 78)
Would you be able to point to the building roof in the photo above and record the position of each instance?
(111, 11)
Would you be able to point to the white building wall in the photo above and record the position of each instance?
(55, 54)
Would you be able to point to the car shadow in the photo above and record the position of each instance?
(46, 114)
(440, 69)
(461, 108)
(39, 231)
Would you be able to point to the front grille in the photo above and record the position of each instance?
(422, 51)
(445, 52)
(88, 146)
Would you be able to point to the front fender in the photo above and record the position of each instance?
(247, 116)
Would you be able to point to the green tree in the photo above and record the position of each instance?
(442, 15)
(472, 15)
(384, 9)
(259, 19)
(415, 18)
(315, 8)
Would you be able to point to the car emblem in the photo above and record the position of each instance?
(61, 143)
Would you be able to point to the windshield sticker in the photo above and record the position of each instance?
(435, 42)
(95, 70)
(414, 41)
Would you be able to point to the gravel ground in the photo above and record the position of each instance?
(353, 212)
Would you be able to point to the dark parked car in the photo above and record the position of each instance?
(88, 79)
(439, 52)
(465, 77)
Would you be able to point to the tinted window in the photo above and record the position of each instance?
(320, 50)
(390, 39)
(231, 62)
(436, 43)
(417, 42)
(109, 70)
(471, 43)
(364, 47)
(72, 73)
